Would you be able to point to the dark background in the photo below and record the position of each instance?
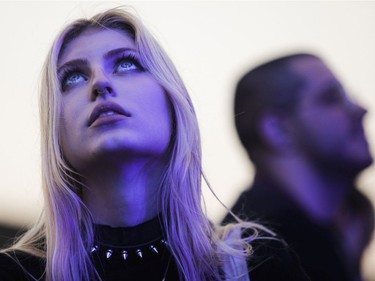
(7, 235)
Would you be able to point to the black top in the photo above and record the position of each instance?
(147, 258)
(317, 245)
(139, 253)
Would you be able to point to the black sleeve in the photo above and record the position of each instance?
(273, 260)
(20, 267)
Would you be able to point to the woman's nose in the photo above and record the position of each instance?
(101, 86)
(101, 90)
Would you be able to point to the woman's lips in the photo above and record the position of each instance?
(106, 113)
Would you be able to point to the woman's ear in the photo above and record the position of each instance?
(275, 131)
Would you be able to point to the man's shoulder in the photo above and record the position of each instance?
(273, 259)
(257, 203)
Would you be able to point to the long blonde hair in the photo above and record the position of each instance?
(64, 233)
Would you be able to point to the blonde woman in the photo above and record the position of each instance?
(121, 162)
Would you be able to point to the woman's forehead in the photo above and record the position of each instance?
(95, 41)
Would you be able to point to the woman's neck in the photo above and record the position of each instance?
(123, 195)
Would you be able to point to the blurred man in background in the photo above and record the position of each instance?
(306, 139)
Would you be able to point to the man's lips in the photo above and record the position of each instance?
(106, 109)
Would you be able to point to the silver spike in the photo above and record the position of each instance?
(153, 248)
(109, 253)
(124, 255)
(94, 249)
(139, 253)
(164, 242)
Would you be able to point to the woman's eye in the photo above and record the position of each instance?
(72, 79)
(126, 64)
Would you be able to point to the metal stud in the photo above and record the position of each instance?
(139, 253)
(124, 255)
(108, 253)
(153, 248)
(94, 249)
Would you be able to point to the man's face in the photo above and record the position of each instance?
(328, 126)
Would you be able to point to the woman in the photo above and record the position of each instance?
(121, 164)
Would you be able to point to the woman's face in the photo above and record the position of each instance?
(111, 107)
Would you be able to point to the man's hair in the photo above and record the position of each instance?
(270, 87)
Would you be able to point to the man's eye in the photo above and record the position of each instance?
(333, 95)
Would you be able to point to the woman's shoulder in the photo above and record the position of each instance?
(20, 266)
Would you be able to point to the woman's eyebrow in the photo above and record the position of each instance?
(115, 52)
(73, 63)
(84, 62)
